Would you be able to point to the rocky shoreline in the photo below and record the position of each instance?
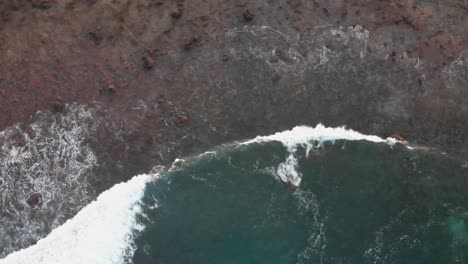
(380, 67)
(173, 78)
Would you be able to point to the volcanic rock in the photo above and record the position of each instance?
(248, 15)
(397, 137)
(42, 4)
(148, 62)
(35, 200)
(176, 12)
(188, 44)
(58, 105)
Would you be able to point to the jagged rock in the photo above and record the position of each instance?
(276, 77)
(95, 37)
(182, 118)
(148, 62)
(397, 136)
(226, 57)
(42, 4)
(188, 44)
(58, 105)
(176, 12)
(109, 86)
(248, 15)
(31, 133)
(35, 200)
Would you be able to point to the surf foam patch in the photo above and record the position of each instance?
(101, 233)
(310, 138)
(51, 156)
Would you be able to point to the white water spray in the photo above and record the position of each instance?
(310, 138)
(101, 233)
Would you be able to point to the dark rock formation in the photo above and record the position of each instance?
(248, 15)
(176, 12)
(35, 200)
(148, 62)
(57, 105)
(43, 4)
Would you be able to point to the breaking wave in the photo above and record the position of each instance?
(350, 198)
(100, 233)
(310, 139)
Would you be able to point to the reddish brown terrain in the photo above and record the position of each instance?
(118, 51)
(172, 78)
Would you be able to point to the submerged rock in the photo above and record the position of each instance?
(35, 200)
(31, 132)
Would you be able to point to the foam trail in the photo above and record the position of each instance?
(101, 233)
(310, 138)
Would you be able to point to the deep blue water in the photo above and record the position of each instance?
(358, 202)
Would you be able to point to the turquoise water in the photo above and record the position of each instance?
(358, 202)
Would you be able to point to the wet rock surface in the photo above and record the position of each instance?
(35, 200)
(173, 78)
(57, 105)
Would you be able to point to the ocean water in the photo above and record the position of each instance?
(309, 195)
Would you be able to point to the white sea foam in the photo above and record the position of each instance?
(101, 233)
(55, 160)
(310, 138)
